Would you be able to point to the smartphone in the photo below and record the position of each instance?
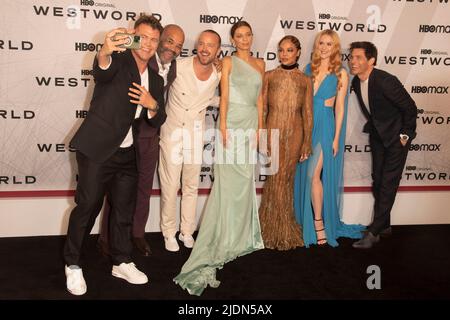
(133, 41)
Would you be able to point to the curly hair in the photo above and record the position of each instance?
(335, 65)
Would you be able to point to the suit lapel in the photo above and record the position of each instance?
(357, 88)
(151, 83)
(371, 90)
(192, 78)
(172, 73)
(132, 68)
(153, 63)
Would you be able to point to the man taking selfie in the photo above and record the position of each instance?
(126, 92)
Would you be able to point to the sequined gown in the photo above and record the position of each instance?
(288, 103)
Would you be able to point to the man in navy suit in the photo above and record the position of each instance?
(126, 93)
(391, 124)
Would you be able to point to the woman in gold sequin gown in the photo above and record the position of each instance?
(288, 108)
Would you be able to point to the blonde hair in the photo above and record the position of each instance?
(335, 64)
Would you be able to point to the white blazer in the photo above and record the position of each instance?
(186, 107)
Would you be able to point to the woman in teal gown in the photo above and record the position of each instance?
(230, 227)
(318, 183)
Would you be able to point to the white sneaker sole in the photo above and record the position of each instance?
(181, 238)
(76, 293)
(119, 275)
(173, 250)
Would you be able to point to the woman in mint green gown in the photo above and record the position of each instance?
(230, 226)
(318, 185)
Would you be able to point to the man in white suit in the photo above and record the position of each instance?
(181, 144)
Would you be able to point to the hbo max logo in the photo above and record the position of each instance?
(434, 28)
(87, 2)
(206, 18)
(324, 16)
(82, 46)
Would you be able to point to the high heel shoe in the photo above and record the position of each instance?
(320, 233)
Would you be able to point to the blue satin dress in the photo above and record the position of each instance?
(332, 175)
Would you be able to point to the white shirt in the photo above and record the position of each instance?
(163, 69)
(203, 85)
(128, 141)
(365, 93)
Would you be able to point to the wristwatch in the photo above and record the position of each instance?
(156, 108)
(404, 136)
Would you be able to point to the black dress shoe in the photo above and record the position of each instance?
(103, 247)
(142, 246)
(386, 233)
(367, 242)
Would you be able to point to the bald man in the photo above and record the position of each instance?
(163, 62)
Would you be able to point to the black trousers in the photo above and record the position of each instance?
(148, 155)
(387, 169)
(117, 177)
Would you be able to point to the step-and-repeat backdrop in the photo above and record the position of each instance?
(47, 49)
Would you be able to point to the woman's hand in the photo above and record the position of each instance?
(335, 147)
(304, 156)
(223, 133)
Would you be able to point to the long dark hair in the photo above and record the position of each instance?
(239, 24)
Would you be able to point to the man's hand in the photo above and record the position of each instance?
(403, 142)
(113, 43)
(143, 97)
(218, 64)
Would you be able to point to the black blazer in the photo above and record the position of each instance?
(153, 64)
(392, 110)
(111, 113)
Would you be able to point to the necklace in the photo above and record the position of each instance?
(290, 67)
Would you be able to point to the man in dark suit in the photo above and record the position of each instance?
(391, 124)
(163, 63)
(126, 93)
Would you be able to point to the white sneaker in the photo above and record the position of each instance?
(187, 240)
(130, 273)
(75, 281)
(171, 244)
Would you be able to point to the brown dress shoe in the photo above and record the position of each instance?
(103, 247)
(142, 246)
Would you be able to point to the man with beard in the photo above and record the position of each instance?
(164, 63)
(182, 138)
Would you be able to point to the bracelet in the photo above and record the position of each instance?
(155, 109)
